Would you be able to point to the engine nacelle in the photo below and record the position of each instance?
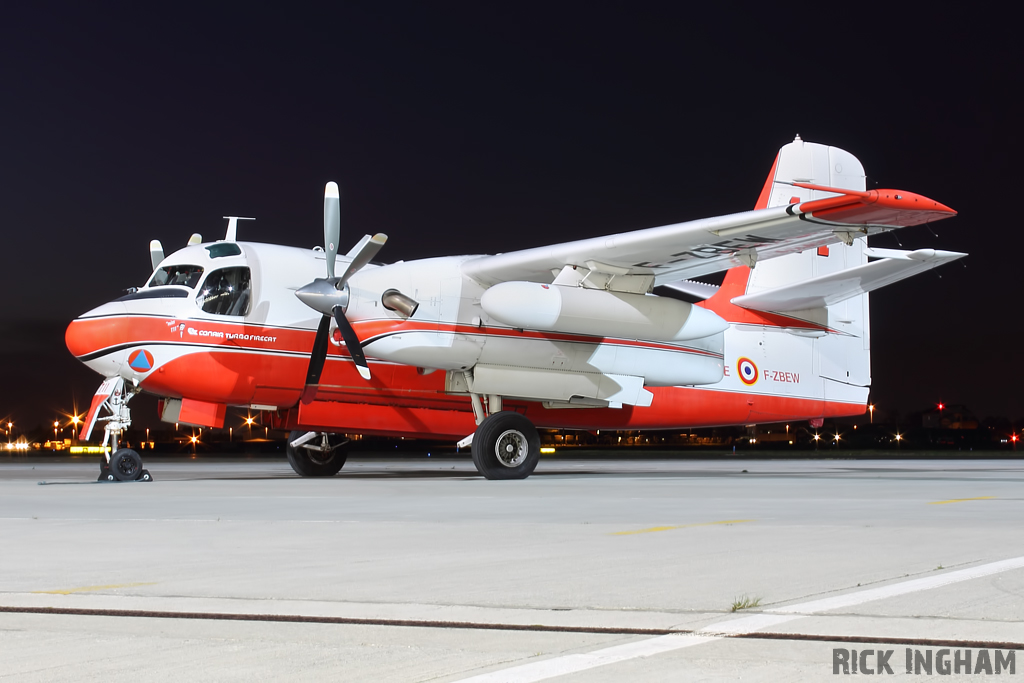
(576, 310)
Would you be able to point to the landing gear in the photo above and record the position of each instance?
(119, 464)
(506, 446)
(316, 454)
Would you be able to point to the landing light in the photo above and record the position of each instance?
(547, 450)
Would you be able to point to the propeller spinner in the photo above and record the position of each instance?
(330, 295)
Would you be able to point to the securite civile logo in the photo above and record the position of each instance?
(140, 360)
(747, 371)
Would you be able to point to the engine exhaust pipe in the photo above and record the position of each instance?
(394, 300)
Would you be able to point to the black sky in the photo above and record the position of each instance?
(476, 128)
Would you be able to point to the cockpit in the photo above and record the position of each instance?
(220, 291)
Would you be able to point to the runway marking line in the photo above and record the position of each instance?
(652, 529)
(744, 626)
(961, 500)
(87, 589)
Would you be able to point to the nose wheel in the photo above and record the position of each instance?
(125, 465)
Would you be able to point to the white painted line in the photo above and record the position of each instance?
(903, 588)
(560, 666)
(748, 624)
(568, 664)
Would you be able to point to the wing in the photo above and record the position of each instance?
(687, 250)
(794, 214)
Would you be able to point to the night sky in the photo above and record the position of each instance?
(482, 128)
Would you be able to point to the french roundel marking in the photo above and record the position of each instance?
(747, 371)
(141, 360)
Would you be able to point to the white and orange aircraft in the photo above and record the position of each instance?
(484, 349)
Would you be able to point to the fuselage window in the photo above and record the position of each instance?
(225, 292)
(186, 276)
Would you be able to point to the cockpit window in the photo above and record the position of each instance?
(225, 292)
(186, 276)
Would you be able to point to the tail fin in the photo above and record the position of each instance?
(842, 330)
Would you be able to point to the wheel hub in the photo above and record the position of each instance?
(511, 448)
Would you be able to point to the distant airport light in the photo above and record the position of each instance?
(899, 437)
(941, 406)
(837, 436)
(817, 437)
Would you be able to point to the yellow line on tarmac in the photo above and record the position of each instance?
(961, 500)
(678, 526)
(86, 589)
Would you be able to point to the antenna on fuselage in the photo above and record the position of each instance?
(233, 226)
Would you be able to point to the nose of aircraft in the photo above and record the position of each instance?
(97, 338)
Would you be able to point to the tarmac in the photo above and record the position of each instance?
(590, 570)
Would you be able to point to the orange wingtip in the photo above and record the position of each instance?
(897, 208)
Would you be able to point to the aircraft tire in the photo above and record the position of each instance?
(307, 463)
(506, 446)
(125, 465)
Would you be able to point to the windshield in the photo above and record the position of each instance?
(186, 276)
(226, 292)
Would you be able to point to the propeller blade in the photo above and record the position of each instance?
(156, 253)
(364, 253)
(332, 225)
(352, 342)
(316, 359)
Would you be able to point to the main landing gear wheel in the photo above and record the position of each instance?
(323, 455)
(125, 465)
(506, 446)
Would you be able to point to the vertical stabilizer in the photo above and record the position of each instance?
(831, 357)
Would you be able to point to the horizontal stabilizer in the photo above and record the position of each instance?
(894, 265)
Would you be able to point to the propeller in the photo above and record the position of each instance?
(156, 253)
(330, 295)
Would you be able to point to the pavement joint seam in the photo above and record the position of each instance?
(413, 623)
